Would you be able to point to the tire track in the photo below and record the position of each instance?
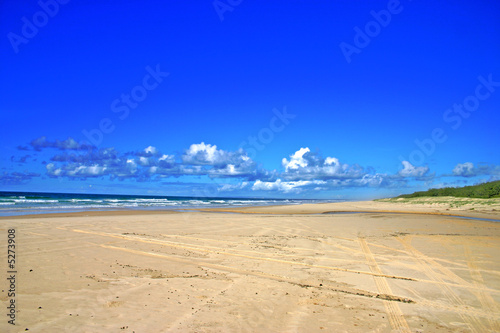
(304, 284)
(320, 233)
(394, 313)
(425, 264)
(311, 230)
(428, 262)
(463, 309)
(487, 302)
(273, 245)
(222, 251)
(219, 251)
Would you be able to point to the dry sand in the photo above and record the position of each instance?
(273, 269)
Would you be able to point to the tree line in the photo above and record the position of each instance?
(485, 190)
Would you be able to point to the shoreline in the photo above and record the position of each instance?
(490, 212)
(373, 206)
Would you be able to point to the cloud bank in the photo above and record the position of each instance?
(468, 170)
(302, 170)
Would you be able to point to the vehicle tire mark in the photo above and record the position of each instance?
(395, 315)
(219, 251)
(487, 302)
(426, 265)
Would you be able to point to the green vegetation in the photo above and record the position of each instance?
(451, 202)
(484, 191)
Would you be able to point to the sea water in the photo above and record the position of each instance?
(21, 203)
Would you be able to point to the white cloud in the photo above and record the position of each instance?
(277, 185)
(331, 160)
(228, 170)
(151, 150)
(303, 170)
(202, 153)
(304, 165)
(286, 187)
(411, 171)
(296, 160)
(371, 180)
(464, 170)
(206, 159)
(52, 170)
(68, 144)
(130, 167)
(75, 170)
(144, 161)
(87, 171)
(468, 169)
(232, 187)
(168, 158)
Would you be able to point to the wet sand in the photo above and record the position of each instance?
(272, 269)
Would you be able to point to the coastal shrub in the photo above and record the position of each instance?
(485, 191)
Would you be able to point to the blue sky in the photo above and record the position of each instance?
(326, 99)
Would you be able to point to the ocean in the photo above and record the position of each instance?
(22, 203)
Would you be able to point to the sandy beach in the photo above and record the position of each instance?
(395, 267)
